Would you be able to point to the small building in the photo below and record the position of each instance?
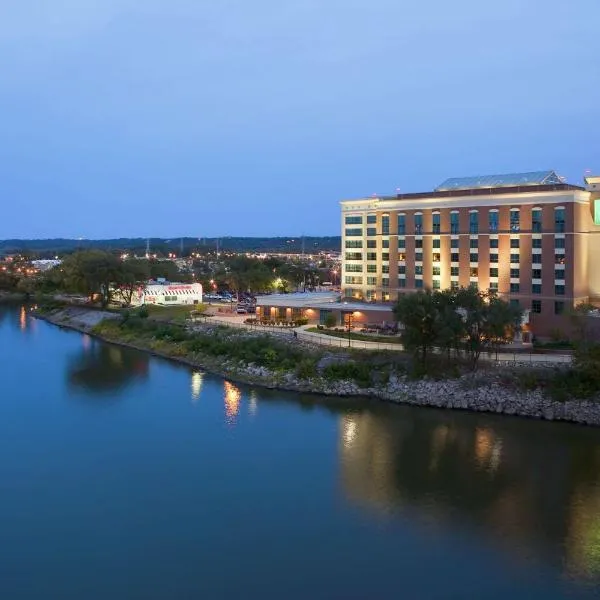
(318, 306)
(169, 294)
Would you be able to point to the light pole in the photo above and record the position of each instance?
(348, 318)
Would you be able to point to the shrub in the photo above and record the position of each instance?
(330, 320)
(358, 372)
(307, 368)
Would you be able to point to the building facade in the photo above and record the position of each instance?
(529, 237)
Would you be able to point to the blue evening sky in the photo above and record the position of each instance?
(255, 117)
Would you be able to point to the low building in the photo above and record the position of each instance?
(317, 308)
(169, 294)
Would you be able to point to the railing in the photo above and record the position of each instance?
(500, 358)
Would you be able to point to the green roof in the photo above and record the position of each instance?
(493, 181)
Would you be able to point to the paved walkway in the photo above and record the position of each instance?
(323, 339)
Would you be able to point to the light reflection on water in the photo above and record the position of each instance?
(232, 395)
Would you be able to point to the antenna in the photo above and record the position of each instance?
(148, 248)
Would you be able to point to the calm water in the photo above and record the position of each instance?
(124, 476)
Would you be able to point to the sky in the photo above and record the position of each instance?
(255, 118)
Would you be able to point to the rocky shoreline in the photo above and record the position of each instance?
(474, 392)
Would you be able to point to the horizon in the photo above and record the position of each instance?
(122, 120)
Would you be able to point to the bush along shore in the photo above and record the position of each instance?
(288, 364)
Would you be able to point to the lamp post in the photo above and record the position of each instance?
(348, 318)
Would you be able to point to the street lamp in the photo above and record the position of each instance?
(348, 316)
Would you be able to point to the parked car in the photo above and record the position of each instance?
(241, 310)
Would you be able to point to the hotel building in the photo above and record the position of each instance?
(530, 237)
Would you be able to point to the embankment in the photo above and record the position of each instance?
(258, 359)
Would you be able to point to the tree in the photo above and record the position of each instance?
(420, 316)
(132, 277)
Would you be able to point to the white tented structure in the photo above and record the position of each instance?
(170, 293)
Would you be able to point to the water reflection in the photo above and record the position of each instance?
(253, 403)
(103, 368)
(499, 475)
(232, 396)
(197, 383)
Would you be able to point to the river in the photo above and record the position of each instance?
(124, 476)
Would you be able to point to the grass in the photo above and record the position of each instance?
(176, 314)
(383, 339)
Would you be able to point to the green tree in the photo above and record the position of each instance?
(421, 321)
(132, 277)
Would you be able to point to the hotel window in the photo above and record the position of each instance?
(474, 222)
(473, 257)
(401, 256)
(419, 257)
(536, 306)
(454, 271)
(354, 244)
(385, 282)
(436, 222)
(354, 220)
(454, 257)
(371, 268)
(454, 243)
(401, 224)
(371, 231)
(385, 256)
(385, 243)
(435, 243)
(436, 257)
(418, 283)
(514, 288)
(402, 243)
(385, 268)
(371, 255)
(493, 258)
(494, 272)
(401, 283)
(436, 271)
(515, 219)
(494, 243)
(514, 258)
(493, 286)
(536, 220)
(454, 222)
(371, 296)
(385, 225)
(353, 255)
(559, 274)
(514, 243)
(473, 272)
(493, 220)
(559, 307)
(371, 219)
(536, 274)
(536, 259)
(454, 286)
(350, 280)
(354, 268)
(436, 284)
(559, 220)
(514, 273)
(371, 280)
(559, 259)
(371, 243)
(559, 243)
(402, 270)
(473, 243)
(353, 231)
(418, 223)
(418, 270)
(536, 288)
(559, 290)
(418, 243)
(536, 243)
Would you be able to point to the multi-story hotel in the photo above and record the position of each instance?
(530, 237)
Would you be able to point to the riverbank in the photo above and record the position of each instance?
(286, 364)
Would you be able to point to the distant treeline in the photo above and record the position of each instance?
(163, 245)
